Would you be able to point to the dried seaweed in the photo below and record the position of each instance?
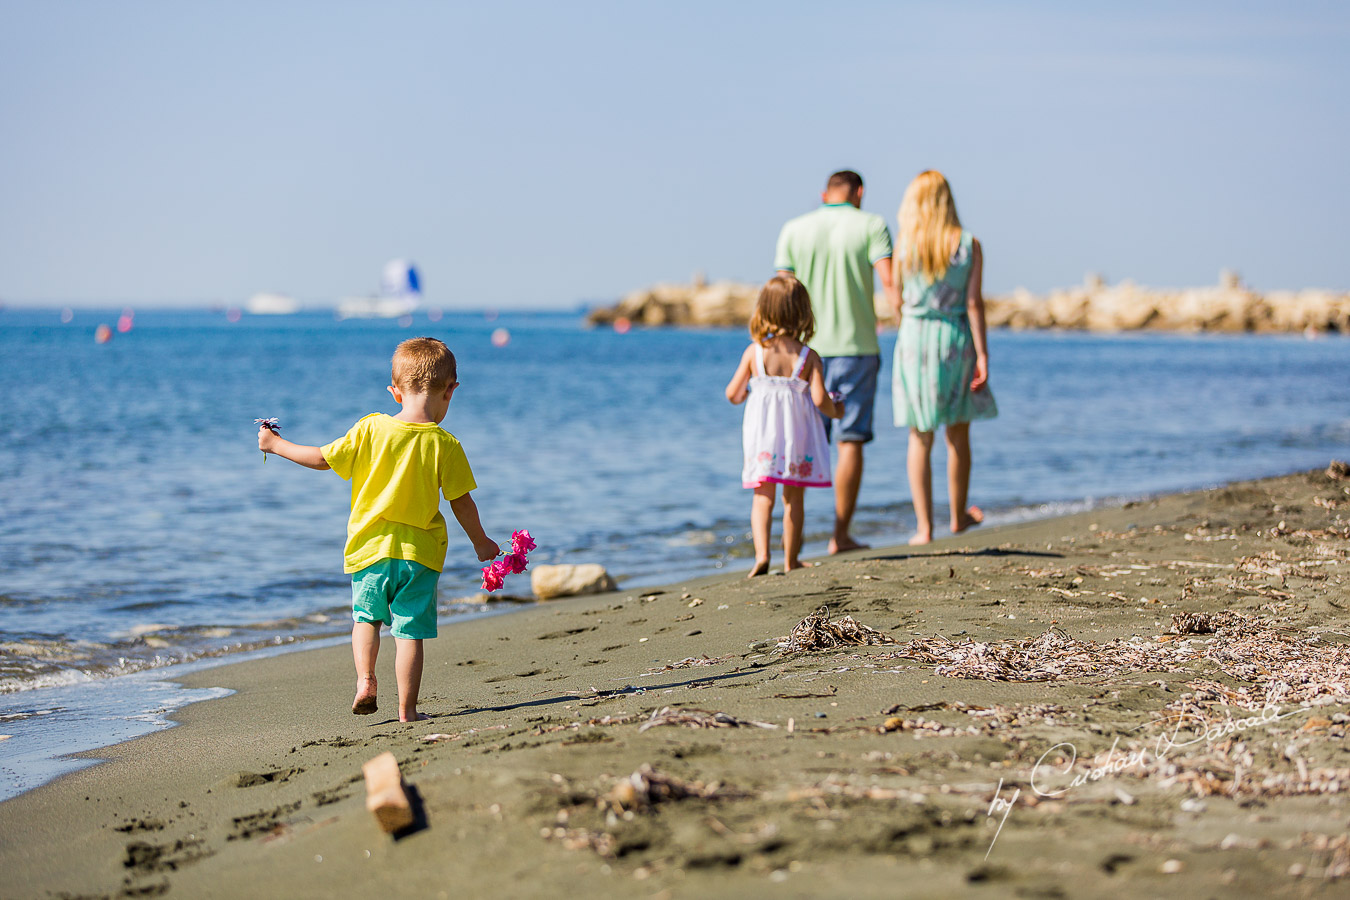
(818, 632)
(647, 788)
(698, 718)
(1336, 849)
(1280, 666)
(1203, 623)
(691, 662)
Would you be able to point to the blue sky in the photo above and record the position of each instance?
(542, 154)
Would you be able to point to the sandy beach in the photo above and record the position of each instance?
(1144, 701)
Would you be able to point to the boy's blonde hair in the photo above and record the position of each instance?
(929, 226)
(423, 365)
(783, 308)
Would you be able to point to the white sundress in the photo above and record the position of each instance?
(783, 435)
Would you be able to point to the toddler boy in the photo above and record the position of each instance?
(396, 536)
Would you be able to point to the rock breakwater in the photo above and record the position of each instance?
(1094, 305)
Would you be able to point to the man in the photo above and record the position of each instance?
(834, 251)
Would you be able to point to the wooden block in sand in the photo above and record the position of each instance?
(385, 796)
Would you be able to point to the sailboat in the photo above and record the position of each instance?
(400, 294)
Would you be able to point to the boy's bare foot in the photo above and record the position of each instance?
(417, 717)
(920, 539)
(969, 519)
(761, 568)
(365, 704)
(845, 545)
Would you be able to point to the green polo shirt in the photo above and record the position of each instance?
(832, 250)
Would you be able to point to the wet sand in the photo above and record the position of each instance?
(1139, 762)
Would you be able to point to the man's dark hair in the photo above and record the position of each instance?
(846, 178)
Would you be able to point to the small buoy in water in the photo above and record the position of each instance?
(501, 337)
(622, 325)
(103, 334)
(125, 321)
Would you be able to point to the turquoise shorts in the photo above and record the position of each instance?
(398, 593)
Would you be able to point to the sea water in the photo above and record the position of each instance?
(140, 527)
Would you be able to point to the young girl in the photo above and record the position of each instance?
(941, 369)
(783, 435)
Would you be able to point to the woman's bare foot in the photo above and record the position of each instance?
(920, 539)
(969, 519)
(365, 704)
(761, 568)
(417, 717)
(845, 545)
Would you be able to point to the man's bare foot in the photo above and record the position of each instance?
(417, 717)
(969, 519)
(845, 545)
(920, 539)
(761, 568)
(365, 704)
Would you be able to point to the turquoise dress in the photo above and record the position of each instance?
(935, 353)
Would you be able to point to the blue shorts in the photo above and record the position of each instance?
(398, 593)
(856, 378)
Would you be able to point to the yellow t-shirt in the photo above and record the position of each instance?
(398, 471)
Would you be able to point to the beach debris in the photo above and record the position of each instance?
(698, 718)
(1336, 850)
(834, 691)
(1192, 623)
(438, 736)
(1280, 666)
(1050, 656)
(512, 563)
(568, 580)
(385, 796)
(647, 788)
(272, 424)
(817, 632)
(692, 662)
(1338, 470)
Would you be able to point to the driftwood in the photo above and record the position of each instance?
(385, 797)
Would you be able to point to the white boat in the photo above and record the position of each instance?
(400, 295)
(272, 305)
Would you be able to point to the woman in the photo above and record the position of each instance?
(941, 369)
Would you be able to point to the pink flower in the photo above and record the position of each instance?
(492, 578)
(514, 563)
(521, 543)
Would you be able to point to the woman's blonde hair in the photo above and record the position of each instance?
(783, 308)
(929, 226)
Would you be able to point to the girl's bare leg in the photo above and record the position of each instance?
(919, 465)
(408, 668)
(958, 478)
(365, 647)
(761, 521)
(794, 516)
